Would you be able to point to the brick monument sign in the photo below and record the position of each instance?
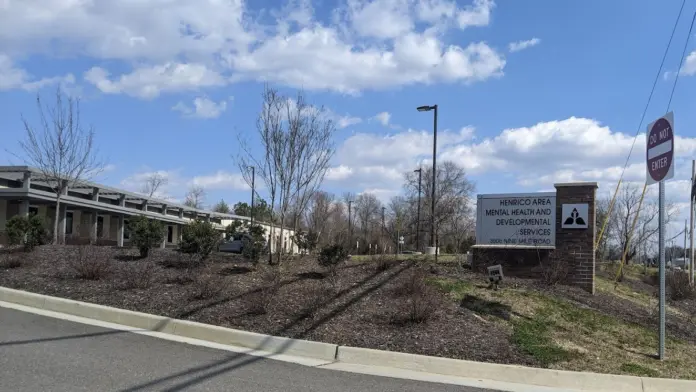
(527, 232)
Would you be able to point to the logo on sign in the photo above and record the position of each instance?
(575, 216)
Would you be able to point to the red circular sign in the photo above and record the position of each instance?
(660, 150)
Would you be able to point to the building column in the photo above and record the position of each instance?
(26, 181)
(164, 237)
(93, 226)
(119, 231)
(24, 208)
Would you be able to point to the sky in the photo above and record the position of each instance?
(530, 93)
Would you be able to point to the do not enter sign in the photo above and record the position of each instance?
(659, 150)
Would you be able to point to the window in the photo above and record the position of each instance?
(100, 226)
(33, 210)
(68, 222)
(170, 234)
(126, 232)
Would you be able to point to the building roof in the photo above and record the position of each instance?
(16, 173)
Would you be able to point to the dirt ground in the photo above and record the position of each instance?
(362, 309)
(400, 305)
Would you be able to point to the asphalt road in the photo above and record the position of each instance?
(40, 353)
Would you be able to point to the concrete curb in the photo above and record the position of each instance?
(183, 328)
(566, 380)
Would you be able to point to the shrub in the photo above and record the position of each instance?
(555, 270)
(260, 300)
(384, 262)
(255, 247)
(419, 307)
(199, 238)
(206, 286)
(331, 256)
(11, 260)
(145, 233)
(414, 284)
(678, 286)
(29, 232)
(137, 275)
(89, 264)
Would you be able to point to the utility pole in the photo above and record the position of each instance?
(253, 194)
(685, 233)
(350, 224)
(383, 228)
(420, 175)
(691, 226)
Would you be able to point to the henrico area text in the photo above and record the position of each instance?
(517, 221)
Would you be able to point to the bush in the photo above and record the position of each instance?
(10, 260)
(255, 247)
(137, 275)
(206, 286)
(29, 232)
(89, 263)
(678, 286)
(384, 262)
(555, 270)
(199, 238)
(420, 301)
(414, 284)
(145, 233)
(259, 301)
(331, 256)
(179, 260)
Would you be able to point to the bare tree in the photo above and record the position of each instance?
(61, 148)
(195, 197)
(454, 195)
(296, 144)
(368, 211)
(222, 207)
(318, 213)
(626, 210)
(153, 183)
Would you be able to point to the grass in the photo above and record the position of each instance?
(638, 370)
(564, 335)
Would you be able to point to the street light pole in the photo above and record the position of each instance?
(432, 201)
(350, 224)
(253, 179)
(420, 173)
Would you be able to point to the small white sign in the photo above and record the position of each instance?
(575, 216)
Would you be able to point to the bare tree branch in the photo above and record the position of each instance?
(195, 197)
(296, 146)
(153, 183)
(61, 148)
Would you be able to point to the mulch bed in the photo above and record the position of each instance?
(364, 308)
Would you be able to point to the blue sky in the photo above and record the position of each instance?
(530, 93)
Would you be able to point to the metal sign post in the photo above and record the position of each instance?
(659, 154)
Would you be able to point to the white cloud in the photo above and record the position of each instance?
(346, 121)
(528, 158)
(202, 108)
(383, 118)
(149, 82)
(221, 180)
(178, 45)
(12, 77)
(689, 66)
(522, 45)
